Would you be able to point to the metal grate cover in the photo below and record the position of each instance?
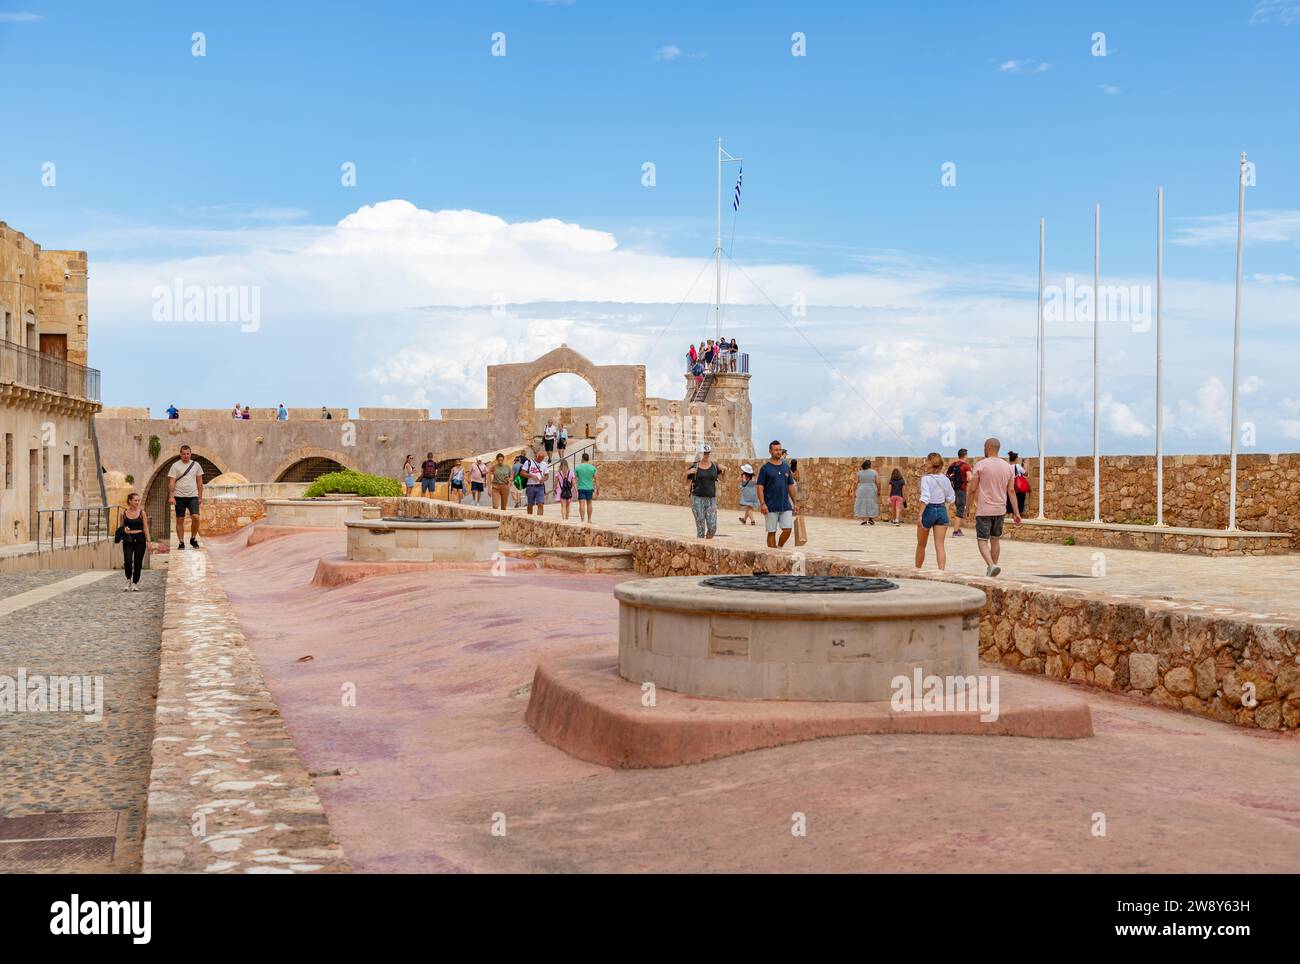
(416, 518)
(786, 583)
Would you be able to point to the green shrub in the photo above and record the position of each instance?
(130, 479)
(1068, 540)
(358, 482)
(155, 446)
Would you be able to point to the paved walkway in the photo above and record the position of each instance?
(1267, 585)
(435, 752)
(78, 787)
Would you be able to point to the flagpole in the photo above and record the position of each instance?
(1042, 383)
(1236, 345)
(1096, 365)
(717, 254)
(1160, 357)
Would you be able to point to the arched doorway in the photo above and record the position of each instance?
(161, 517)
(309, 469)
(569, 398)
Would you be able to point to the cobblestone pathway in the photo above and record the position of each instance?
(14, 583)
(95, 774)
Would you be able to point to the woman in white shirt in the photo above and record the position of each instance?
(936, 496)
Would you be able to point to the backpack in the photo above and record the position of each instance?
(954, 474)
(566, 487)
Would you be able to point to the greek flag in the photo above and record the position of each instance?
(735, 204)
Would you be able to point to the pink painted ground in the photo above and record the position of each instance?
(436, 744)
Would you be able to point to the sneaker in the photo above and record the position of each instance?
(194, 543)
(127, 587)
(871, 522)
(992, 570)
(957, 534)
(135, 587)
(180, 546)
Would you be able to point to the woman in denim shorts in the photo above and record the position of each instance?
(936, 495)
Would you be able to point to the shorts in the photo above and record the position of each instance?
(410, 481)
(989, 526)
(549, 444)
(961, 503)
(536, 494)
(476, 486)
(188, 503)
(935, 514)
(458, 485)
(779, 520)
(427, 485)
(896, 501)
(586, 495)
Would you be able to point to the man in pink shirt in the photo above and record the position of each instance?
(992, 481)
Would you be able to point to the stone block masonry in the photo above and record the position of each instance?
(227, 791)
(1212, 661)
(1196, 487)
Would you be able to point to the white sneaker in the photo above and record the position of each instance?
(127, 587)
(135, 587)
(992, 570)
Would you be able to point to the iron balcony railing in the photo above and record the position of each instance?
(24, 366)
(61, 528)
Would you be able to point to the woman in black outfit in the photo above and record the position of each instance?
(135, 541)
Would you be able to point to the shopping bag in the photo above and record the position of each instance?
(800, 531)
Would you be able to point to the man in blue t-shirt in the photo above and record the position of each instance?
(172, 412)
(776, 491)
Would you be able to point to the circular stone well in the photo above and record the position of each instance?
(417, 539)
(794, 637)
(316, 513)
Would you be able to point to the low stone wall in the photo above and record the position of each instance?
(227, 791)
(1151, 539)
(1211, 661)
(95, 555)
(1196, 487)
(219, 517)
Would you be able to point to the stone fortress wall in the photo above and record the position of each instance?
(377, 440)
(1196, 487)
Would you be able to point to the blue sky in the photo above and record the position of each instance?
(224, 169)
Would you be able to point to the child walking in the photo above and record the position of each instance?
(748, 494)
(896, 483)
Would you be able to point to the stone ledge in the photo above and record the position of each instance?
(227, 791)
(1178, 539)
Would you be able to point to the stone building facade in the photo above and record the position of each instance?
(47, 394)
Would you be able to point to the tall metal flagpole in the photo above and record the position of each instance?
(1160, 358)
(1096, 366)
(1236, 345)
(1042, 254)
(717, 250)
(717, 253)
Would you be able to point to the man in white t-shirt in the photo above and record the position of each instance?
(184, 491)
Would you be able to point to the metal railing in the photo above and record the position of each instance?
(20, 365)
(723, 366)
(61, 528)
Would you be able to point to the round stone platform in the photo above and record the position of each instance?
(313, 513)
(580, 705)
(750, 644)
(417, 539)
